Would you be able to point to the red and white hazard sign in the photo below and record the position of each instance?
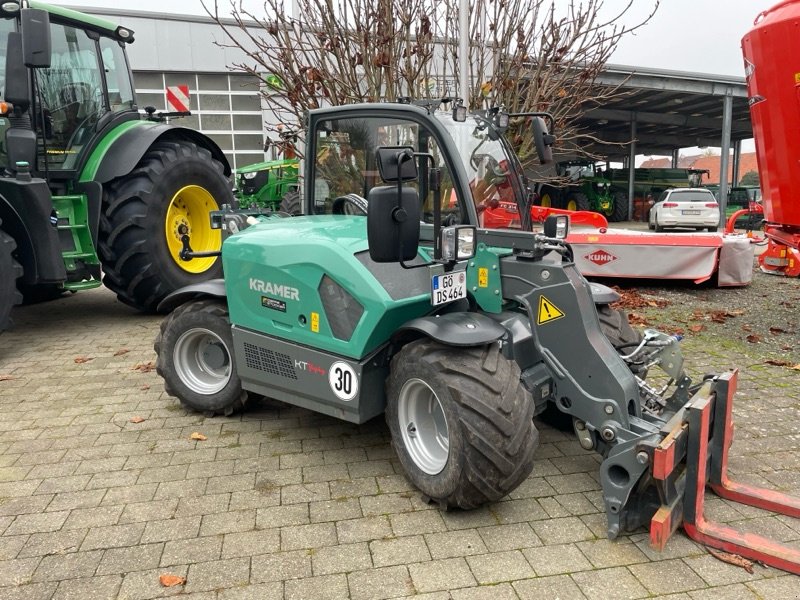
(178, 98)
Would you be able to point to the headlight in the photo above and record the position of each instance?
(556, 226)
(458, 243)
(250, 175)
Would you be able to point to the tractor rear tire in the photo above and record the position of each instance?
(194, 350)
(10, 271)
(550, 197)
(175, 184)
(291, 203)
(620, 211)
(461, 422)
(577, 201)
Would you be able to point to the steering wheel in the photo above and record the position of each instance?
(349, 204)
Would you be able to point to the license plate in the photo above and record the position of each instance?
(448, 287)
(691, 212)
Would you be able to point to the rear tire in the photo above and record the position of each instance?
(550, 197)
(291, 203)
(194, 351)
(620, 212)
(175, 184)
(10, 271)
(461, 422)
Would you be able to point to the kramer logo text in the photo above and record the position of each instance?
(276, 289)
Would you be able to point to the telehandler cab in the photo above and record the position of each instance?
(386, 298)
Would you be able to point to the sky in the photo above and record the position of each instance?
(684, 35)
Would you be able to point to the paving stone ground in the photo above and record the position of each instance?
(281, 503)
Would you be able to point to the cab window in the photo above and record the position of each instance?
(120, 91)
(345, 164)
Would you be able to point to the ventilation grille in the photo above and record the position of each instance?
(263, 359)
(342, 311)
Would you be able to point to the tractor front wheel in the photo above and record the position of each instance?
(577, 201)
(169, 194)
(620, 210)
(10, 271)
(291, 204)
(195, 357)
(461, 422)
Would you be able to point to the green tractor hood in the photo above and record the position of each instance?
(311, 280)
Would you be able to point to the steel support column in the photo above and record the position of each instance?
(737, 160)
(463, 51)
(632, 166)
(727, 117)
(675, 157)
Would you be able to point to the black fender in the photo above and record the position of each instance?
(25, 212)
(454, 329)
(213, 288)
(602, 294)
(126, 152)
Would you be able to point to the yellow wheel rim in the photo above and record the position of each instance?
(188, 212)
(546, 201)
(571, 204)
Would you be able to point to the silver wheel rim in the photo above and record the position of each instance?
(202, 361)
(423, 426)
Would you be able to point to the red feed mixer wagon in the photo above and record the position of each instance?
(772, 68)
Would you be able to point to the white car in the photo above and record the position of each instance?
(685, 207)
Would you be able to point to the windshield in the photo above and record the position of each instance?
(487, 162)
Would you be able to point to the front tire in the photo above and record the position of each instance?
(549, 197)
(173, 189)
(10, 271)
(194, 351)
(577, 201)
(291, 203)
(461, 422)
(620, 211)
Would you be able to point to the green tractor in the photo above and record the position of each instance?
(271, 185)
(89, 184)
(588, 189)
(387, 298)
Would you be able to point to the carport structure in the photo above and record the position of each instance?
(661, 111)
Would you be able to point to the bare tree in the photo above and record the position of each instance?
(526, 55)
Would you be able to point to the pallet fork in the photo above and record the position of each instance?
(693, 455)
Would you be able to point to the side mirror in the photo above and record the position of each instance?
(396, 163)
(35, 29)
(16, 86)
(543, 140)
(393, 223)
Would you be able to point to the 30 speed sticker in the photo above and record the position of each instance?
(343, 381)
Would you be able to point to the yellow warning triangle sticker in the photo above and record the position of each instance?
(547, 311)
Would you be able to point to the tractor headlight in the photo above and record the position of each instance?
(556, 226)
(458, 243)
(8, 9)
(250, 175)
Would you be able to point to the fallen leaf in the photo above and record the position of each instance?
(696, 328)
(170, 580)
(83, 359)
(736, 313)
(145, 387)
(732, 559)
(636, 319)
(786, 347)
(776, 330)
(198, 436)
(137, 420)
(145, 367)
(753, 338)
(6, 377)
(796, 367)
(746, 327)
(121, 351)
(778, 363)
